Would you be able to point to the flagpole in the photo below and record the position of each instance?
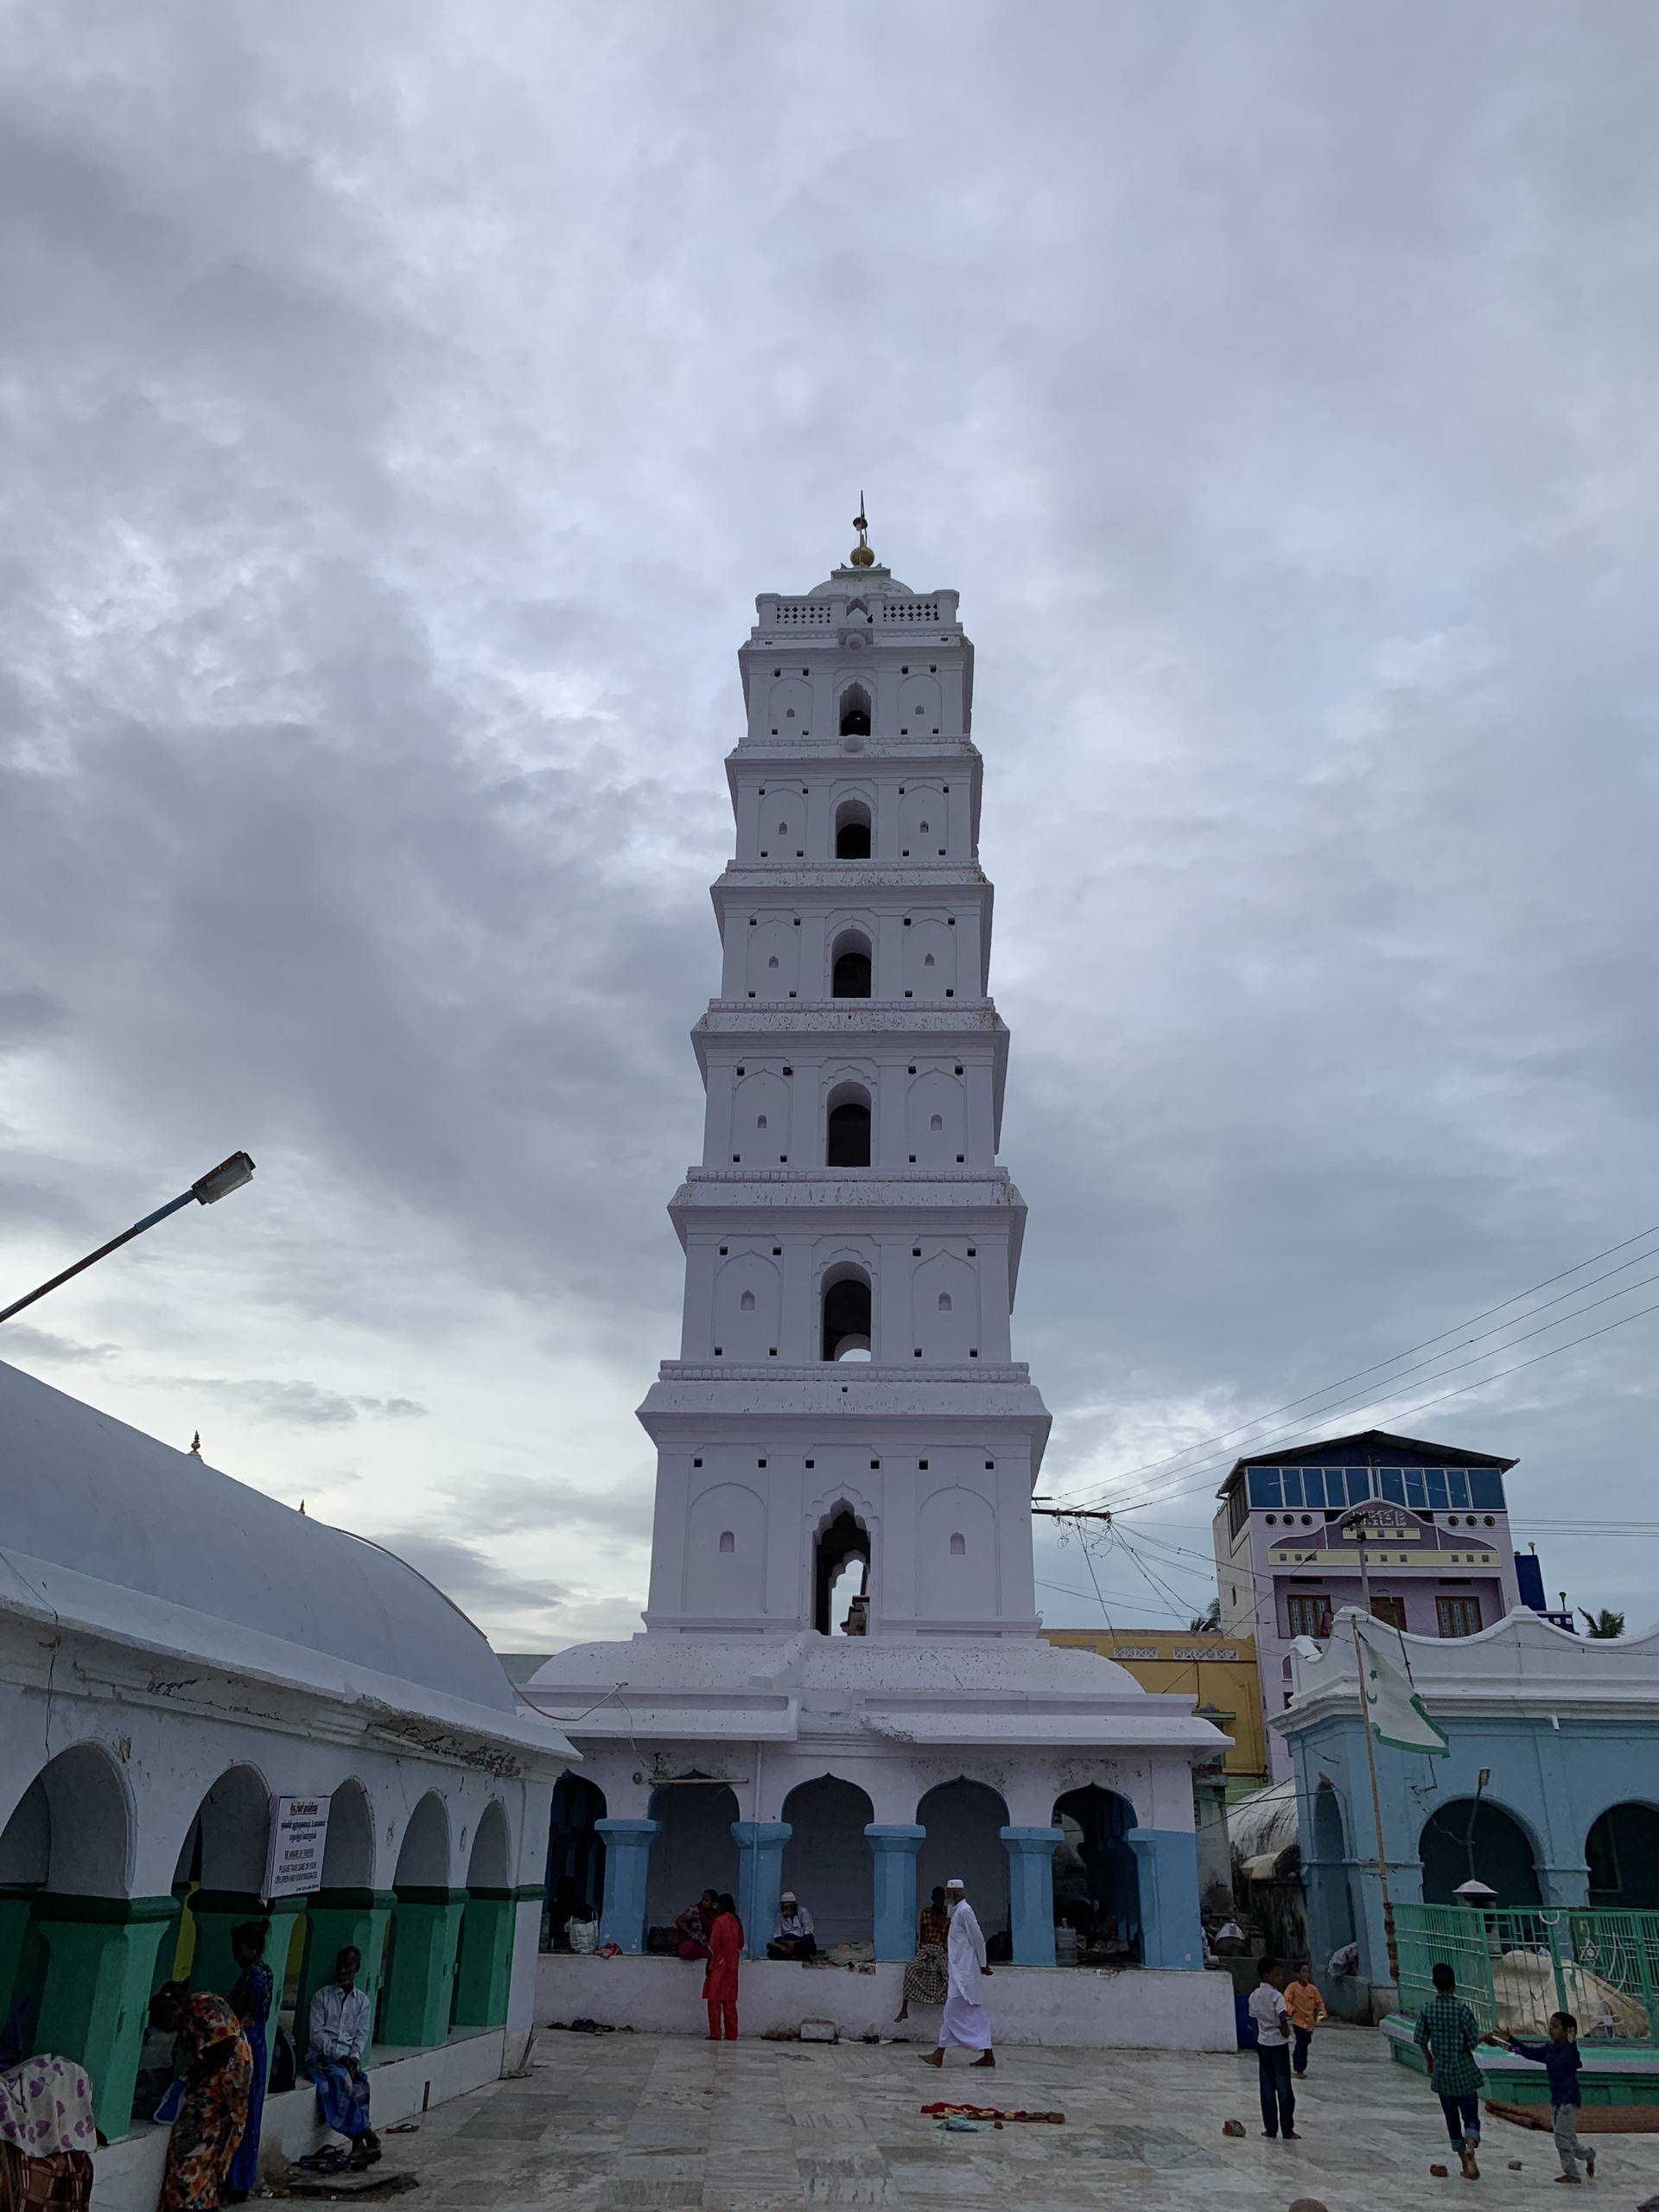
(1377, 1795)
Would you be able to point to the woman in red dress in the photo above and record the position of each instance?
(719, 1982)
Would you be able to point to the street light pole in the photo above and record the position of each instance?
(230, 1175)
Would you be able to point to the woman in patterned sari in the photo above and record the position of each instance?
(219, 2076)
(251, 2002)
(925, 1976)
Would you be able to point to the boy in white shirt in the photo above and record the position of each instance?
(1272, 2019)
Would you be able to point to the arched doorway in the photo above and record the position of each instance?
(220, 1877)
(827, 1860)
(484, 1962)
(575, 1858)
(1467, 1839)
(696, 1850)
(963, 1821)
(348, 1853)
(1622, 1851)
(842, 1575)
(1098, 1883)
(417, 1989)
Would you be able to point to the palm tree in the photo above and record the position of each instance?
(1603, 1623)
(1209, 1622)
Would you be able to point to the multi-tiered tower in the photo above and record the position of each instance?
(841, 1680)
(844, 1388)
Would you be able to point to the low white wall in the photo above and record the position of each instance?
(127, 2176)
(1095, 2010)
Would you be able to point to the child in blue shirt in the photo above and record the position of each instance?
(1560, 2059)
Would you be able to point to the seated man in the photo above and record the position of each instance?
(692, 1926)
(339, 2025)
(792, 1938)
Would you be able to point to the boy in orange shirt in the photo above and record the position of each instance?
(1306, 2009)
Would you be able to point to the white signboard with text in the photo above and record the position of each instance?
(299, 1834)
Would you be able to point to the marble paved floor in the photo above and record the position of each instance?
(654, 2123)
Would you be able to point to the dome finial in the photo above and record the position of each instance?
(861, 556)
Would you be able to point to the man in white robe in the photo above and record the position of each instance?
(966, 2023)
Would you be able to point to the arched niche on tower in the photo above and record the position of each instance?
(855, 709)
(854, 828)
(930, 957)
(920, 707)
(782, 822)
(922, 818)
(726, 1550)
(842, 1565)
(791, 706)
(936, 1118)
(760, 1117)
(846, 1311)
(847, 1124)
(944, 1310)
(774, 956)
(956, 1556)
(749, 1300)
(851, 962)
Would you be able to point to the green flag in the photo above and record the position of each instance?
(1395, 1712)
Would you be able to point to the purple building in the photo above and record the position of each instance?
(1443, 1565)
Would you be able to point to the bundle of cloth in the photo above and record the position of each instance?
(47, 2136)
(1524, 1984)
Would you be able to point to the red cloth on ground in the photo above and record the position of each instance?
(725, 1948)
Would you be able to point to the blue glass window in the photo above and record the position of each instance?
(1292, 1477)
(1264, 1487)
(1314, 1485)
(1486, 1489)
(1436, 1476)
(1359, 1485)
(1393, 1485)
(1457, 1483)
(1416, 1490)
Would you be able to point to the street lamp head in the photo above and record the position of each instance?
(230, 1175)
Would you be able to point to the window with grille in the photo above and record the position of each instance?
(1310, 1616)
(1391, 1609)
(1458, 1616)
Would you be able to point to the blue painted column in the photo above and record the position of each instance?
(1031, 1892)
(760, 1880)
(1167, 1860)
(627, 1869)
(895, 1850)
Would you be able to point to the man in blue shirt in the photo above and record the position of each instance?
(1560, 2059)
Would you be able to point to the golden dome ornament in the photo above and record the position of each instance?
(861, 556)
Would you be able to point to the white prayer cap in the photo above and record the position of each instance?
(955, 1882)
(786, 1896)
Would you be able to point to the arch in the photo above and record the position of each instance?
(827, 1861)
(348, 1850)
(1326, 1873)
(72, 1828)
(1097, 1881)
(853, 711)
(842, 1541)
(725, 1577)
(1622, 1852)
(945, 1303)
(774, 958)
(1463, 1839)
(854, 830)
(576, 1857)
(789, 705)
(930, 959)
(933, 1097)
(847, 1127)
(489, 1864)
(848, 1314)
(963, 1820)
(423, 1855)
(850, 968)
(919, 707)
(783, 823)
(230, 1837)
(749, 1300)
(955, 1583)
(921, 818)
(696, 1850)
(760, 1105)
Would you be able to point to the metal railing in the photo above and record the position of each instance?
(1516, 1967)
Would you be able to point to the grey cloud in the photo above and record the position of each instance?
(305, 1405)
(394, 477)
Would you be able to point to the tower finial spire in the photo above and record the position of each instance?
(863, 556)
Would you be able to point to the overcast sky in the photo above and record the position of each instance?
(406, 404)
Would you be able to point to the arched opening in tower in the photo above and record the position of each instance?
(841, 1578)
(850, 977)
(855, 711)
(846, 1319)
(847, 1138)
(852, 830)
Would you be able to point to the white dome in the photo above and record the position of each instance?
(82, 1492)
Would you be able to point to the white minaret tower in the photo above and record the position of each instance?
(844, 1389)
(841, 1684)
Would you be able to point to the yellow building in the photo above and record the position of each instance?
(1218, 1670)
